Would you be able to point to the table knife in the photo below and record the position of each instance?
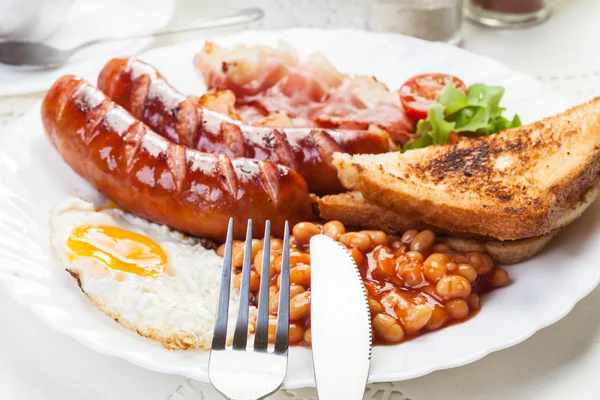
(340, 322)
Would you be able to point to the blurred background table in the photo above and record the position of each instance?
(557, 363)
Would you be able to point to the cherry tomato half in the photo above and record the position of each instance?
(420, 92)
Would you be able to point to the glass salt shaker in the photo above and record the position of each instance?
(434, 20)
(508, 13)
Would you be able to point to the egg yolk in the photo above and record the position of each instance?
(118, 249)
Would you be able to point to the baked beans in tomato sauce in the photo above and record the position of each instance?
(414, 283)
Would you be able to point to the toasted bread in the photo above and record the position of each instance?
(519, 183)
(353, 210)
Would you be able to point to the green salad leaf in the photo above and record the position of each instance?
(478, 111)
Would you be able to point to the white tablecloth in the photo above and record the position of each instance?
(560, 362)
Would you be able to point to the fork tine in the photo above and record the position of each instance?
(283, 314)
(240, 336)
(220, 332)
(261, 337)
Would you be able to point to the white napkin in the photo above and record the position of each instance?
(89, 20)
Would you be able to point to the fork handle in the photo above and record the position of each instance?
(240, 17)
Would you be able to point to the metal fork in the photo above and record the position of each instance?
(242, 371)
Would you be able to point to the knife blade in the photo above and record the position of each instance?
(340, 322)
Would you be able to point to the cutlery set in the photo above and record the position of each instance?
(251, 370)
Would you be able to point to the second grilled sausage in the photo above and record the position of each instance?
(142, 90)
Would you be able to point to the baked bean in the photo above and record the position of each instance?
(221, 250)
(296, 290)
(303, 231)
(390, 300)
(377, 237)
(307, 337)
(388, 328)
(375, 307)
(400, 253)
(273, 290)
(401, 308)
(272, 330)
(498, 277)
(429, 289)
(296, 333)
(451, 267)
(254, 281)
(371, 288)
(438, 318)
(416, 317)
(300, 306)
(482, 262)
(299, 275)
(453, 286)
(457, 308)
(441, 248)
(468, 272)
(434, 267)
(257, 245)
(274, 304)
(423, 241)
(258, 263)
(358, 257)
(296, 257)
(415, 256)
(458, 258)
(357, 240)
(417, 300)
(408, 236)
(237, 254)
(385, 265)
(488, 262)
(397, 244)
(473, 301)
(276, 246)
(411, 273)
(334, 229)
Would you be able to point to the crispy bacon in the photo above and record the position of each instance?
(272, 88)
(246, 70)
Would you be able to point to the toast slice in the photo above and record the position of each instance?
(353, 210)
(519, 183)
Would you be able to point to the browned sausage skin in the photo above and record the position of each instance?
(143, 91)
(168, 183)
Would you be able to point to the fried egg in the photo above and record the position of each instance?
(151, 279)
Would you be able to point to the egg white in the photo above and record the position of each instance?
(177, 309)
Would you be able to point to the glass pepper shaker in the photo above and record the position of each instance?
(434, 20)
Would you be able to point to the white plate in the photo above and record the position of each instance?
(544, 290)
(88, 20)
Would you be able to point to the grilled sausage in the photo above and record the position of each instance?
(164, 182)
(144, 92)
